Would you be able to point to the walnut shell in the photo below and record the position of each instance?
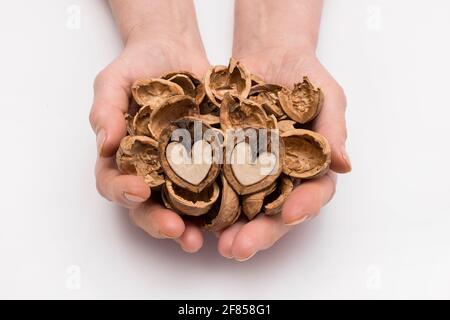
(153, 92)
(308, 154)
(253, 203)
(191, 175)
(138, 155)
(141, 121)
(303, 103)
(266, 95)
(244, 161)
(274, 202)
(192, 86)
(190, 203)
(240, 113)
(226, 209)
(286, 125)
(133, 109)
(256, 80)
(171, 110)
(234, 79)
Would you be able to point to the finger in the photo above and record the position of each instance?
(192, 238)
(331, 123)
(158, 221)
(225, 243)
(308, 198)
(126, 190)
(111, 96)
(258, 234)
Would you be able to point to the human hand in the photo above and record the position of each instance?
(149, 52)
(286, 66)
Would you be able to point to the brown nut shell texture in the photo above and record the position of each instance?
(240, 113)
(153, 92)
(253, 159)
(234, 79)
(191, 85)
(226, 209)
(138, 155)
(266, 95)
(308, 154)
(223, 145)
(190, 153)
(171, 110)
(303, 103)
(190, 203)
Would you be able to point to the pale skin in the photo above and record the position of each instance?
(275, 39)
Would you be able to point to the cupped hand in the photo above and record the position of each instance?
(139, 59)
(286, 67)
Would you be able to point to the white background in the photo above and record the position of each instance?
(385, 235)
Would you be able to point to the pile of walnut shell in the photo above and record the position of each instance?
(212, 190)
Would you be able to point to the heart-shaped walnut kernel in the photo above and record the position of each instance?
(253, 159)
(193, 170)
(249, 171)
(191, 166)
(308, 154)
(303, 103)
(234, 79)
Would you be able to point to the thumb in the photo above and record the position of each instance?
(107, 113)
(331, 124)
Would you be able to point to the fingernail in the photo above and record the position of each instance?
(165, 235)
(101, 137)
(133, 198)
(298, 221)
(248, 258)
(346, 158)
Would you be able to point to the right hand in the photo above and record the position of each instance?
(139, 59)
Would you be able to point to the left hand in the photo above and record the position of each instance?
(282, 66)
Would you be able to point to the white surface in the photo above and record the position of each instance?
(385, 235)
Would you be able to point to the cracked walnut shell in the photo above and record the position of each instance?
(225, 210)
(234, 79)
(138, 155)
(303, 103)
(190, 203)
(307, 154)
(190, 152)
(153, 92)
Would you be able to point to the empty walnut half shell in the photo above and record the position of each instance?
(191, 153)
(190, 203)
(266, 95)
(303, 103)
(253, 159)
(240, 113)
(308, 154)
(234, 79)
(153, 92)
(138, 155)
(253, 203)
(225, 210)
(192, 86)
(274, 202)
(172, 109)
